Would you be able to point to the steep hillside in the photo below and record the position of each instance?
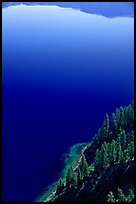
(105, 171)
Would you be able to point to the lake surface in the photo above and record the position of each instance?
(62, 71)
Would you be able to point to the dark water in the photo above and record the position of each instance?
(62, 70)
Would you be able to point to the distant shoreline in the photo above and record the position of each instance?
(124, 8)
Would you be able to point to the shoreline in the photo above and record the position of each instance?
(73, 158)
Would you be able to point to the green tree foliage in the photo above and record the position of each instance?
(100, 136)
(121, 147)
(104, 156)
(97, 160)
(123, 140)
(131, 150)
(129, 118)
(119, 153)
(71, 178)
(130, 196)
(84, 167)
(122, 117)
(121, 196)
(109, 147)
(112, 152)
(106, 127)
(117, 114)
(125, 155)
(131, 139)
(114, 124)
(110, 197)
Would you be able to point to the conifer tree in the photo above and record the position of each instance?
(123, 140)
(71, 178)
(131, 150)
(119, 153)
(121, 195)
(117, 114)
(125, 155)
(131, 136)
(130, 196)
(97, 160)
(122, 119)
(110, 197)
(130, 118)
(106, 127)
(84, 167)
(105, 145)
(128, 140)
(100, 136)
(112, 152)
(114, 124)
(119, 136)
(104, 157)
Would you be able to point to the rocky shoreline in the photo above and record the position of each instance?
(75, 147)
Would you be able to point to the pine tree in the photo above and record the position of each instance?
(106, 127)
(119, 154)
(84, 167)
(123, 140)
(97, 160)
(130, 118)
(100, 136)
(71, 178)
(117, 114)
(131, 150)
(112, 152)
(130, 137)
(104, 157)
(122, 119)
(130, 196)
(125, 155)
(110, 197)
(119, 136)
(105, 145)
(127, 139)
(121, 195)
(114, 124)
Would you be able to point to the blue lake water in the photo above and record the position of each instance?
(62, 70)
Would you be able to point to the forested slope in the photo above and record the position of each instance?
(105, 172)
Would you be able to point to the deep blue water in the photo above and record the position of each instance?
(62, 71)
